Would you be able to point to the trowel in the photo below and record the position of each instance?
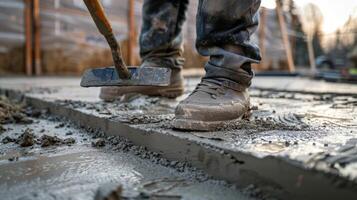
(120, 74)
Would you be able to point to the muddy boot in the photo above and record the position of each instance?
(175, 89)
(213, 103)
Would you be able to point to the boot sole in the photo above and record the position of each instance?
(195, 125)
(171, 92)
(168, 93)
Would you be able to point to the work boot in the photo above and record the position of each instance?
(175, 89)
(213, 103)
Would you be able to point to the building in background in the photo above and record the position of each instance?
(70, 42)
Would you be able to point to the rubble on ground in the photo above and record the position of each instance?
(47, 140)
(12, 113)
(2, 129)
(26, 139)
(100, 142)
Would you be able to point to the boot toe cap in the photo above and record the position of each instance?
(206, 112)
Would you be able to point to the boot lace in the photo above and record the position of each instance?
(210, 86)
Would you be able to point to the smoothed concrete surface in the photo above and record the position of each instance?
(78, 170)
(302, 143)
(303, 85)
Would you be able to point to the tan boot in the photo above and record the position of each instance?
(175, 89)
(213, 103)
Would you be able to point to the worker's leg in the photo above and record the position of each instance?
(161, 35)
(160, 46)
(223, 33)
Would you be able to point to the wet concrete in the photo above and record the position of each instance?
(303, 85)
(76, 170)
(300, 143)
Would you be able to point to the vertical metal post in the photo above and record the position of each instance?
(262, 25)
(285, 36)
(310, 49)
(131, 32)
(57, 22)
(28, 37)
(37, 36)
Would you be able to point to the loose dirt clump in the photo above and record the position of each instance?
(98, 143)
(12, 113)
(2, 129)
(69, 141)
(61, 125)
(46, 141)
(8, 139)
(26, 139)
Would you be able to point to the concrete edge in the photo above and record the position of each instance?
(281, 177)
(304, 92)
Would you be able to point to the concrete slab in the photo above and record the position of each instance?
(78, 170)
(301, 143)
(303, 85)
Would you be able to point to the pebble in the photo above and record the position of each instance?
(98, 143)
(69, 133)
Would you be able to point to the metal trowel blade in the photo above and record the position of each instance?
(143, 76)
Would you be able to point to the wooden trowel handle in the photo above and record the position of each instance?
(97, 12)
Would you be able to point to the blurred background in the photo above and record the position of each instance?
(58, 37)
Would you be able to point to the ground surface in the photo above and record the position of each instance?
(307, 125)
(76, 169)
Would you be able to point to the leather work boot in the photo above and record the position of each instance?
(213, 103)
(175, 89)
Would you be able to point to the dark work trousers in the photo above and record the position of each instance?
(223, 31)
